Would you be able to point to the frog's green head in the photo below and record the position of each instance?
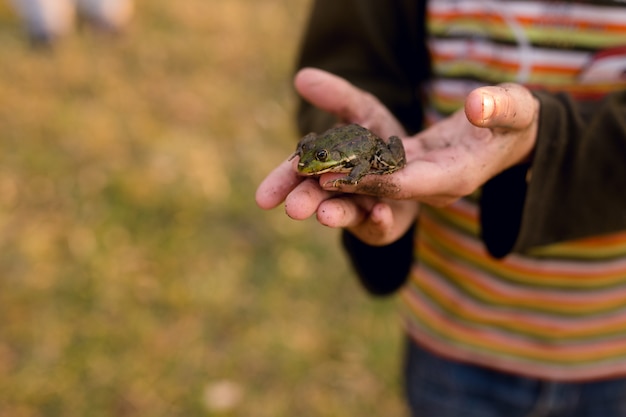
(319, 154)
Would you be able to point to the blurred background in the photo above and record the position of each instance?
(137, 276)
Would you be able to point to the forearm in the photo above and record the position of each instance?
(576, 181)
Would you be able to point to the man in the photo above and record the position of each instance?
(509, 219)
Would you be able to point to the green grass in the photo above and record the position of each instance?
(137, 276)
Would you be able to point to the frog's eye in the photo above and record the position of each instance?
(321, 155)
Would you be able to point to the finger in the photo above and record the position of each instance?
(346, 211)
(506, 106)
(341, 98)
(371, 220)
(304, 200)
(424, 181)
(381, 226)
(371, 185)
(377, 227)
(330, 93)
(277, 185)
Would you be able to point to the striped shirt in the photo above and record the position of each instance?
(556, 312)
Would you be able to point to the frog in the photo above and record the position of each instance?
(351, 149)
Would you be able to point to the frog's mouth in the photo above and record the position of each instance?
(317, 169)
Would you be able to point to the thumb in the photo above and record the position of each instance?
(505, 106)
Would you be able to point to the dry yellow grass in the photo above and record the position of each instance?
(137, 277)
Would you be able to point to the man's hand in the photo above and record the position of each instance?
(372, 219)
(449, 160)
(496, 130)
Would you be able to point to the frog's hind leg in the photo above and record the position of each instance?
(390, 158)
(397, 151)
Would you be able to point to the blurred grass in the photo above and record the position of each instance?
(137, 277)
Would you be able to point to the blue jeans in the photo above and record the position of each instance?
(437, 387)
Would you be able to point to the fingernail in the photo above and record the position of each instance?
(488, 107)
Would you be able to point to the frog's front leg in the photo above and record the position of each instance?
(355, 175)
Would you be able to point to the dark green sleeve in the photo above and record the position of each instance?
(377, 45)
(577, 180)
(381, 269)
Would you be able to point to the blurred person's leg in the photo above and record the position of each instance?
(45, 20)
(110, 15)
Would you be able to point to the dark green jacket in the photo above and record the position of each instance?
(578, 184)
